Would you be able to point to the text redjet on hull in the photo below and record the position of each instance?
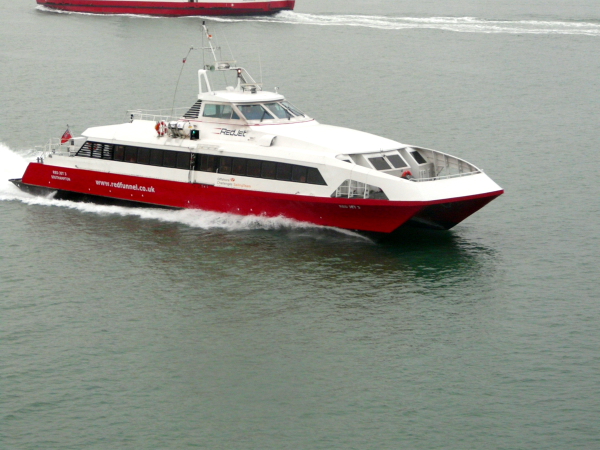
(246, 151)
(171, 7)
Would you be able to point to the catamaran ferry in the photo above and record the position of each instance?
(246, 151)
(172, 7)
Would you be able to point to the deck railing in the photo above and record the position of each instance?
(157, 115)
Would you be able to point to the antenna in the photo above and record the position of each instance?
(209, 37)
(179, 78)
(260, 67)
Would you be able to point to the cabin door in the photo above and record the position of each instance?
(191, 174)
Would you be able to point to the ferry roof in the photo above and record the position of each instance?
(335, 139)
(309, 136)
(234, 96)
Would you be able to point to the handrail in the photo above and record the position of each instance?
(444, 177)
(156, 115)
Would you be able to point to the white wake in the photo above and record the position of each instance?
(456, 24)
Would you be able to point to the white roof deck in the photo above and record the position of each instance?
(337, 140)
(240, 97)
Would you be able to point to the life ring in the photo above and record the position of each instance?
(161, 128)
(407, 174)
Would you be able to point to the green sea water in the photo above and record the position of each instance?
(147, 329)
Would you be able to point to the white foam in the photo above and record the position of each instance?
(12, 165)
(456, 24)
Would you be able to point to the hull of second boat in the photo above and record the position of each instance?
(167, 8)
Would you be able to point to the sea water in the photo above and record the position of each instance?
(149, 329)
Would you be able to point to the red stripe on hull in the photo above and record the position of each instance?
(169, 8)
(381, 216)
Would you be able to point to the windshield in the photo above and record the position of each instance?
(293, 109)
(269, 111)
(254, 112)
(278, 110)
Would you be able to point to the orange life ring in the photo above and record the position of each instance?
(406, 174)
(161, 128)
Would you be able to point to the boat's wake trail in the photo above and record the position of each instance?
(12, 165)
(456, 24)
(58, 11)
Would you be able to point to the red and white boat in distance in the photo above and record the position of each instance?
(246, 151)
(172, 7)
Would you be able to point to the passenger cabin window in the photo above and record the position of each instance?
(203, 163)
(284, 172)
(253, 168)
(183, 160)
(239, 166)
(397, 161)
(97, 150)
(418, 157)
(131, 154)
(208, 163)
(170, 159)
(143, 156)
(268, 170)
(225, 164)
(119, 152)
(299, 174)
(156, 157)
(380, 163)
(314, 177)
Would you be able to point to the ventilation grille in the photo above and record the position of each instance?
(194, 111)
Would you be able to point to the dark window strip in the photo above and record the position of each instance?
(254, 168)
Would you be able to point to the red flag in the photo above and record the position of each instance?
(66, 136)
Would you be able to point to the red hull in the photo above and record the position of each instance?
(380, 216)
(169, 8)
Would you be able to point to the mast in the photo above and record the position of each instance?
(245, 82)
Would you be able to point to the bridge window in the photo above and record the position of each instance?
(278, 110)
(254, 112)
(215, 111)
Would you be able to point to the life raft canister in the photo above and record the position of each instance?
(161, 128)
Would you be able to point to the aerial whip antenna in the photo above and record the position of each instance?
(179, 78)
